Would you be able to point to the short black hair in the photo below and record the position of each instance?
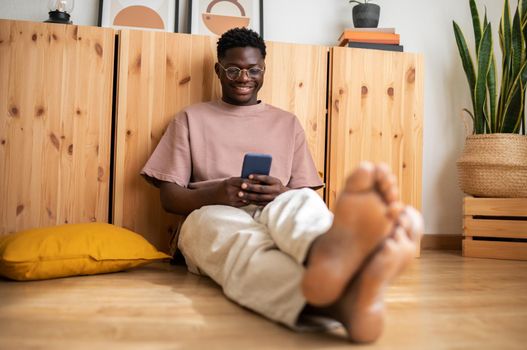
(240, 37)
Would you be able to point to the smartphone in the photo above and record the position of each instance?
(256, 163)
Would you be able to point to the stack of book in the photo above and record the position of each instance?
(371, 38)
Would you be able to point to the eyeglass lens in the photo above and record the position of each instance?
(234, 73)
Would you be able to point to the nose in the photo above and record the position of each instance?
(244, 75)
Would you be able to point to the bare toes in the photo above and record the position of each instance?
(394, 210)
(406, 248)
(386, 183)
(362, 179)
(412, 222)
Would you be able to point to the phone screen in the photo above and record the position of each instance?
(256, 163)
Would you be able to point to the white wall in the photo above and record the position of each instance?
(425, 26)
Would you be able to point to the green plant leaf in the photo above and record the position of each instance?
(506, 65)
(466, 60)
(469, 113)
(506, 48)
(514, 106)
(480, 90)
(492, 91)
(517, 49)
(506, 24)
(522, 6)
(475, 23)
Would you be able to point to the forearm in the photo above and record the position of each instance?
(179, 200)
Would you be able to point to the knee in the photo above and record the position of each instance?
(302, 194)
(210, 219)
(210, 213)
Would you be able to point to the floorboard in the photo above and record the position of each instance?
(444, 301)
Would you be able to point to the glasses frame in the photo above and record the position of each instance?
(240, 72)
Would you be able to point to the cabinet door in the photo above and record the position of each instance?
(296, 81)
(160, 74)
(376, 114)
(56, 86)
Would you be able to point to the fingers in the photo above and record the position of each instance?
(265, 179)
(258, 188)
(234, 181)
(255, 198)
(263, 184)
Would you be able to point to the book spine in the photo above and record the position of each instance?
(344, 41)
(385, 47)
(371, 37)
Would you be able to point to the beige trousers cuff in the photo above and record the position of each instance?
(257, 255)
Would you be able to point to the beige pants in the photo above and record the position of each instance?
(257, 255)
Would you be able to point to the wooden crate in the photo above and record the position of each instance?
(495, 228)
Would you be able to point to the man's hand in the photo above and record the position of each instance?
(228, 192)
(260, 189)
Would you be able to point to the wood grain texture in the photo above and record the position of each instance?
(56, 86)
(444, 301)
(495, 206)
(160, 74)
(295, 80)
(495, 228)
(494, 250)
(441, 241)
(376, 114)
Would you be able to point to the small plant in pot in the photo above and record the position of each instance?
(365, 14)
(494, 160)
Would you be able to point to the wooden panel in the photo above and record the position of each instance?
(495, 228)
(161, 73)
(376, 114)
(495, 206)
(438, 241)
(296, 80)
(501, 233)
(495, 250)
(56, 86)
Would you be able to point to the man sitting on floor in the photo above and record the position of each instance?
(270, 241)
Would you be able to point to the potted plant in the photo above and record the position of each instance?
(365, 14)
(494, 160)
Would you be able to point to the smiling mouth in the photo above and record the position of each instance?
(242, 90)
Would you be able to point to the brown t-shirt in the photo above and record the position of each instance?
(206, 142)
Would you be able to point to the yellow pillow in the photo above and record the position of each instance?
(73, 249)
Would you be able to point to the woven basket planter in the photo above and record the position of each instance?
(494, 165)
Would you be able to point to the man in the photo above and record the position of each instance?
(270, 241)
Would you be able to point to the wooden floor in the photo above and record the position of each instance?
(443, 302)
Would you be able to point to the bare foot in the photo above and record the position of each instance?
(364, 216)
(361, 309)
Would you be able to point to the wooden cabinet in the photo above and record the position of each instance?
(376, 114)
(56, 90)
(55, 124)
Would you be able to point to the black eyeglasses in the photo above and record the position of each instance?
(233, 73)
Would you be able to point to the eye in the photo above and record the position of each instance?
(233, 70)
(255, 71)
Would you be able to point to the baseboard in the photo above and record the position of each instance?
(441, 242)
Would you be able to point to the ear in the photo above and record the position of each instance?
(217, 69)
